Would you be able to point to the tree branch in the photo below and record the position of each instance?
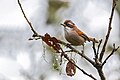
(109, 30)
(76, 51)
(94, 49)
(101, 74)
(29, 23)
(114, 50)
(99, 47)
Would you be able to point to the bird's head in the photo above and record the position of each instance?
(68, 23)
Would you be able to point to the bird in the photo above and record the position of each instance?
(75, 36)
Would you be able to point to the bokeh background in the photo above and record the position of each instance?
(21, 59)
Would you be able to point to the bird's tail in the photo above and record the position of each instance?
(93, 39)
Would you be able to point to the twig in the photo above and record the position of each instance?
(96, 53)
(114, 50)
(109, 30)
(99, 47)
(99, 66)
(30, 25)
(94, 49)
(76, 51)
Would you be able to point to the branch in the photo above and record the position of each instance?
(29, 23)
(76, 51)
(99, 47)
(94, 49)
(114, 50)
(95, 54)
(109, 30)
(101, 74)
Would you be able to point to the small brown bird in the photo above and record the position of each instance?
(75, 36)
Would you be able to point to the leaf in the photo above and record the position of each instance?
(70, 68)
(52, 42)
(46, 39)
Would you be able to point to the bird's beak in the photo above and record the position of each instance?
(63, 25)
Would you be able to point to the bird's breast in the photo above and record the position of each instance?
(72, 37)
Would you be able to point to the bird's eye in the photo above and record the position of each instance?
(69, 24)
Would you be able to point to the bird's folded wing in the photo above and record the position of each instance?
(80, 33)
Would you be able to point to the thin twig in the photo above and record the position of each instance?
(114, 50)
(30, 25)
(100, 66)
(94, 49)
(99, 47)
(95, 53)
(109, 30)
(76, 51)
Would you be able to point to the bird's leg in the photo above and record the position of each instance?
(83, 49)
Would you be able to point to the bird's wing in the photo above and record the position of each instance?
(80, 33)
